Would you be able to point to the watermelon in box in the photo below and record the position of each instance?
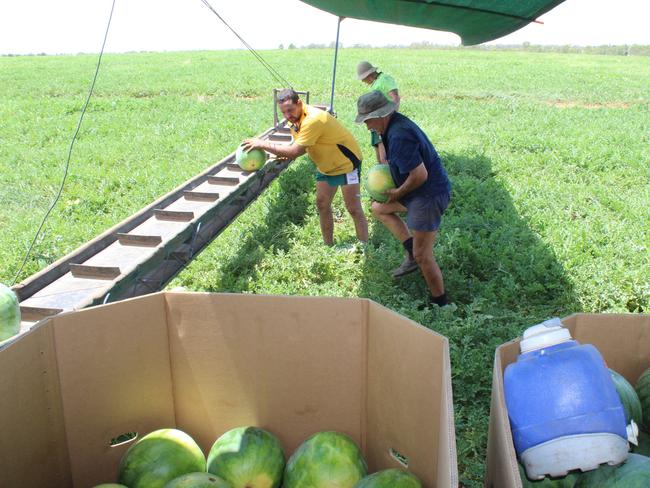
(390, 478)
(247, 457)
(629, 398)
(633, 473)
(643, 390)
(325, 460)
(159, 457)
(198, 480)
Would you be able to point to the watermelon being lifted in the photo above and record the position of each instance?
(247, 457)
(9, 313)
(325, 460)
(251, 160)
(159, 457)
(378, 181)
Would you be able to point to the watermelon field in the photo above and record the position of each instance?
(548, 154)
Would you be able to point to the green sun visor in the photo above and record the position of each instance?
(475, 21)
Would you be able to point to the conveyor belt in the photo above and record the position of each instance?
(142, 253)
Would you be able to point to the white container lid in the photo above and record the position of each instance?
(546, 334)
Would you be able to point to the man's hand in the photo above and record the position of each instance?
(282, 151)
(252, 143)
(393, 195)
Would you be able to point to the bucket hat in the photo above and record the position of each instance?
(372, 106)
(364, 68)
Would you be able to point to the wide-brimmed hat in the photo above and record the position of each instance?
(372, 106)
(364, 68)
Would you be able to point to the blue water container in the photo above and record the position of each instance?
(563, 406)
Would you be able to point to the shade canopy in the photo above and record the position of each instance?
(475, 21)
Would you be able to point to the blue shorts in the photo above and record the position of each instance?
(425, 213)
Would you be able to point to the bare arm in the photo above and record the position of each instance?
(394, 94)
(291, 151)
(415, 179)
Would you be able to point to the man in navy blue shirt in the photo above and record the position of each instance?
(422, 188)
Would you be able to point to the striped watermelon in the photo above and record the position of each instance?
(633, 473)
(250, 161)
(198, 480)
(390, 478)
(9, 313)
(159, 457)
(629, 398)
(325, 460)
(643, 390)
(247, 457)
(644, 444)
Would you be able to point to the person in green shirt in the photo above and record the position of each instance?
(386, 84)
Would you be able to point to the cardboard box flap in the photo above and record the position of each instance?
(627, 352)
(32, 434)
(447, 470)
(407, 366)
(294, 366)
(502, 468)
(115, 378)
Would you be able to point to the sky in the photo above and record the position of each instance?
(73, 26)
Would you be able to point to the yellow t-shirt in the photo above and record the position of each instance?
(319, 132)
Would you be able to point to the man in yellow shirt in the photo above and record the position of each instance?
(333, 150)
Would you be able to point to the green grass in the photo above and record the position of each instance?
(549, 155)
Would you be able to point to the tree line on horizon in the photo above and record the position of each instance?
(605, 49)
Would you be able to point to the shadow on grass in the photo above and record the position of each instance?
(501, 278)
(288, 202)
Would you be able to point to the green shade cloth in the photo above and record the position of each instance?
(475, 21)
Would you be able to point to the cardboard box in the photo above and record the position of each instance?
(624, 342)
(206, 363)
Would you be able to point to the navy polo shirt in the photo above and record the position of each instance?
(407, 146)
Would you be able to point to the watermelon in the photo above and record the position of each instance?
(198, 480)
(629, 398)
(390, 478)
(633, 473)
(643, 390)
(325, 460)
(251, 160)
(378, 181)
(247, 457)
(644, 444)
(159, 457)
(567, 481)
(9, 313)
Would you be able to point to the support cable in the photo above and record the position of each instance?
(278, 77)
(74, 138)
